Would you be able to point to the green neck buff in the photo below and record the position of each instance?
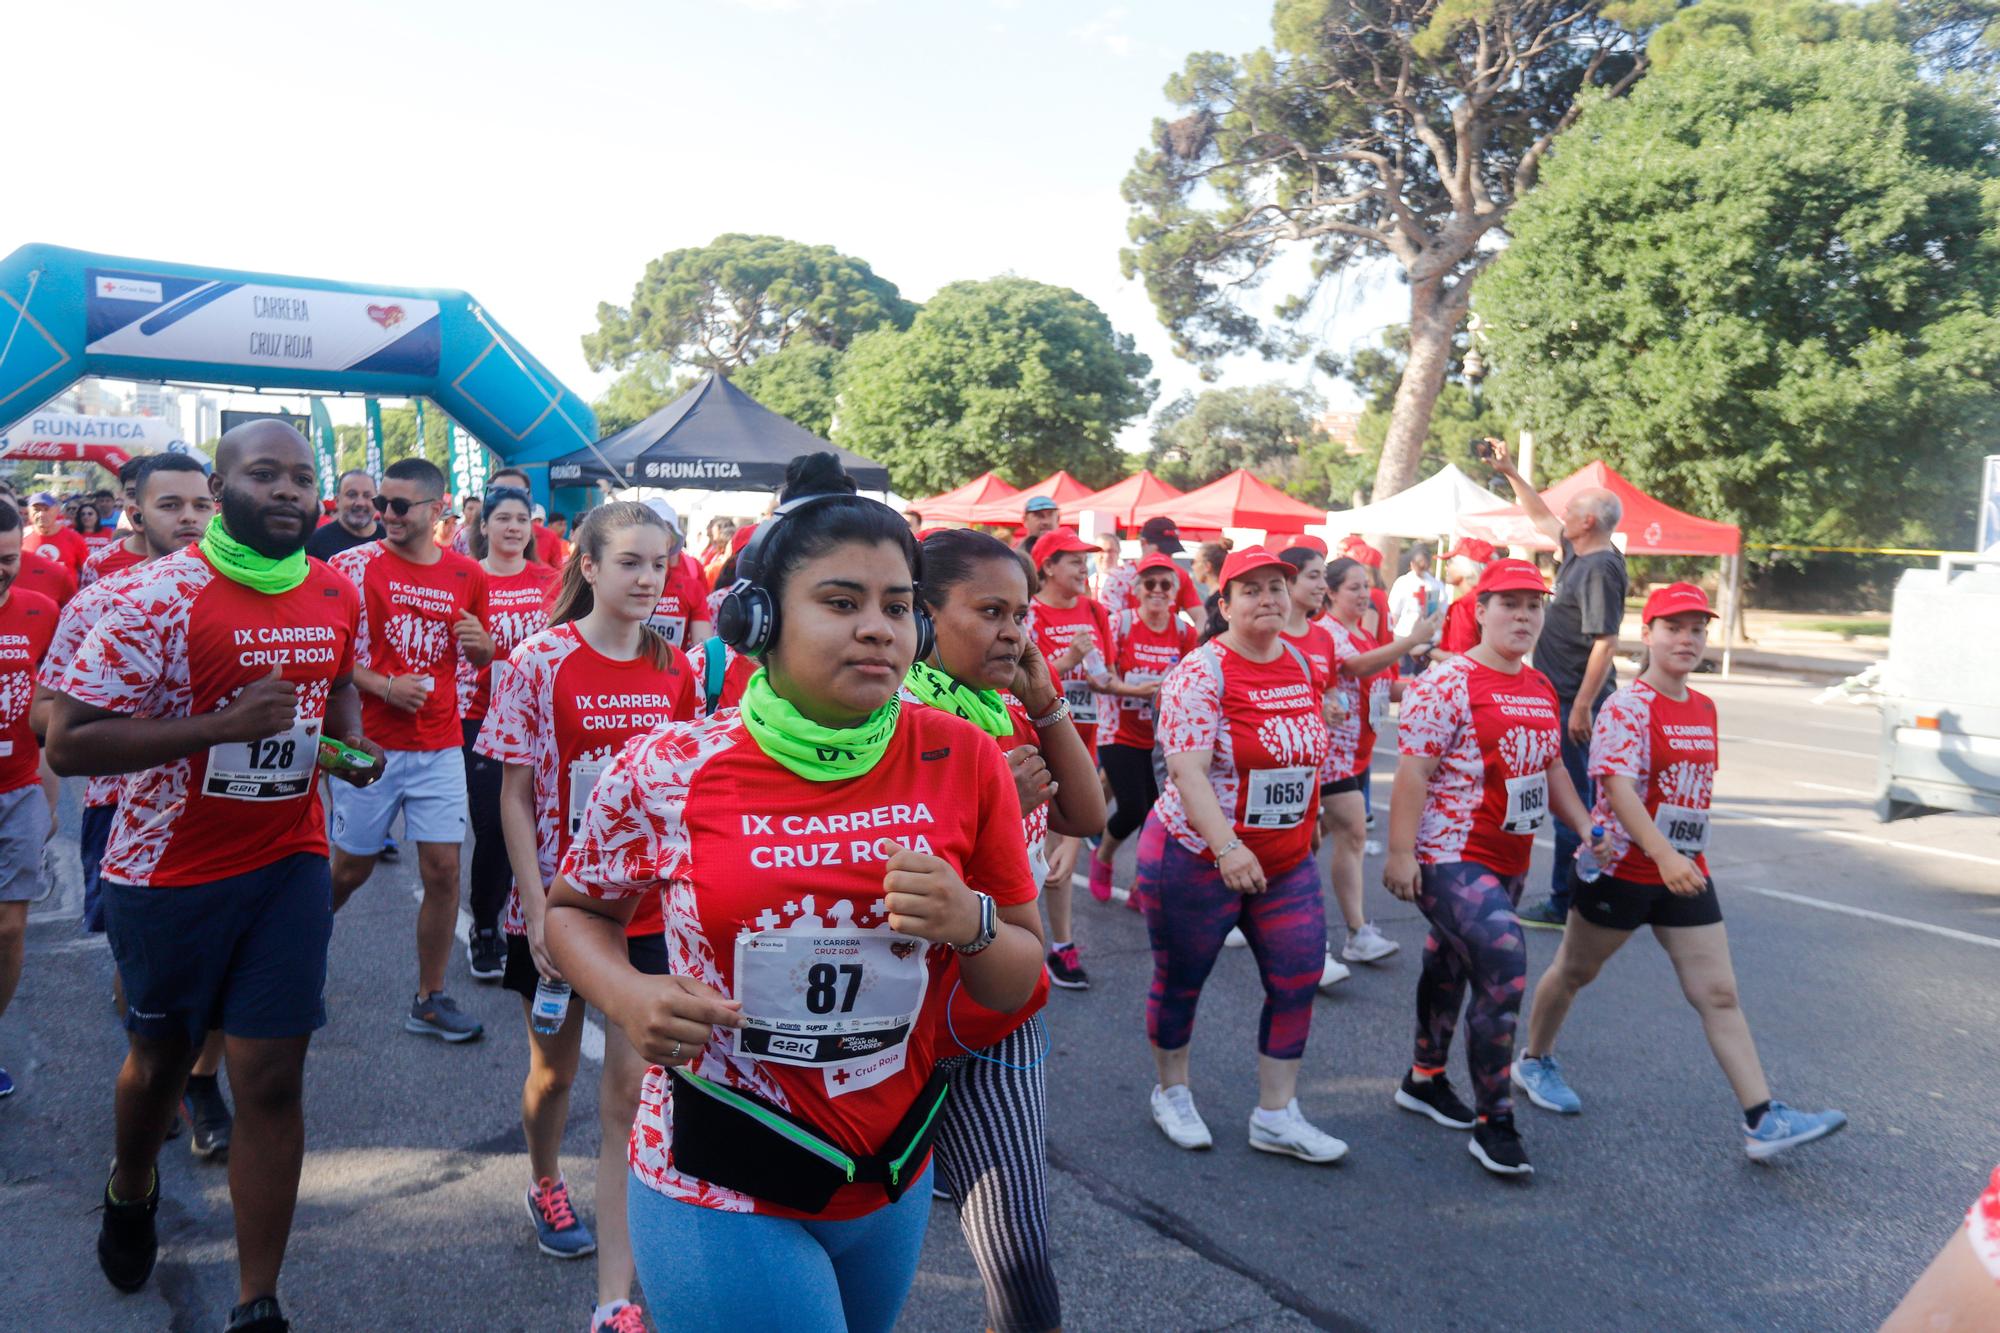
(983, 708)
(239, 564)
(814, 752)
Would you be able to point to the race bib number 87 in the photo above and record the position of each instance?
(814, 997)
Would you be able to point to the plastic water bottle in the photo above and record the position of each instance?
(550, 1008)
(1587, 869)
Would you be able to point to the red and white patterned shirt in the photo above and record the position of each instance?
(1145, 654)
(1982, 1226)
(1053, 627)
(564, 710)
(1496, 736)
(517, 605)
(72, 628)
(757, 864)
(27, 624)
(1265, 732)
(177, 640)
(407, 614)
(1669, 749)
(1366, 703)
(106, 561)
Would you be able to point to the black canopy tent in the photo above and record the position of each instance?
(713, 437)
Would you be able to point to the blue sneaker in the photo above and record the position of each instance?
(6, 1084)
(558, 1231)
(1781, 1127)
(1542, 1080)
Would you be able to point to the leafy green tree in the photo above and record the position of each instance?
(1766, 288)
(1404, 129)
(797, 382)
(1008, 374)
(1263, 427)
(650, 384)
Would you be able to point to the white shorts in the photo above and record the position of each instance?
(428, 786)
(24, 829)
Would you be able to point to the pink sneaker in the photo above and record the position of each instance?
(1100, 880)
(624, 1318)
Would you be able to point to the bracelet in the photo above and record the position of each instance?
(1061, 714)
(1227, 848)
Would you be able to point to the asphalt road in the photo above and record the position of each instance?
(1869, 961)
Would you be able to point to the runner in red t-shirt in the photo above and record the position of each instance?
(48, 537)
(421, 609)
(210, 679)
(53, 579)
(1481, 771)
(1654, 756)
(27, 623)
(1074, 634)
(817, 884)
(1151, 641)
(1243, 727)
(518, 591)
(1463, 566)
(567, 701)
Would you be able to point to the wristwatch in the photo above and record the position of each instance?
(989, 926)
(1061, 714)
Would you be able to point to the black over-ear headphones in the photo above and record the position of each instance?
(747, 619)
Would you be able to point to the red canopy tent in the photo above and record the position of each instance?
(956, 505)
(1124, 498)
(1061, 487)
(1238, 500)
(1650, 526)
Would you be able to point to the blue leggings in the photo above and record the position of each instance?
(704, 1269)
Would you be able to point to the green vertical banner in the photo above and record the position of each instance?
(423, 440)
(326, 450)
(373, 460)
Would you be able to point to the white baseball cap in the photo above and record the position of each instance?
(666, 511)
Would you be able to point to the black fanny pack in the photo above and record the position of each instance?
(736, 1139)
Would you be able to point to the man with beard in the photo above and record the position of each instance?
(209, 679)
(422, 610)
(355, 520)
(27, 623)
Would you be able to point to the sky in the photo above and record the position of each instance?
(539, 155)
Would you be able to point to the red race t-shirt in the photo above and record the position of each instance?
(1263, 726)
(1053, 628)
(1316, 646)
(764, 872)
(683, 601)
(1146, 654)
(1461, 625)
(51, 578)
(73, 626)
(1668, 748)
(407, 615)
(517, 606)
(106, 561)
(563, 709)
(27, 624)
(177, 640)
(1495, 735)
(63, 545)
(1366, 702)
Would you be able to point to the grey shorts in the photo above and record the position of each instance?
(426, 786)
(24, 829)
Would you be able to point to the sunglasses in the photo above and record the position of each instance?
(1157, 585)
(399, 506)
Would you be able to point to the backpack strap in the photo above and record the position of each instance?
(713, 667)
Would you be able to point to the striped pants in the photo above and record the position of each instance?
(991, 1155)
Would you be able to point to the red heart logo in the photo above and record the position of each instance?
(387, 316)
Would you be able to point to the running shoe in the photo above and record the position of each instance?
(486, 955)
(6, 1084)
(559, 1233)
(623, 1317)
(1066, 969)
(259, 1316)
(1433, 1097)
(1780, 1127)
(1542, 1081)
(1543, 916)
(1367, 945)
(208, 1117)
(127, 1243)
(438, 1015)
(1100, 880)
(1234, 939)
(1498, 1147)
(1333, 972)
(1294, 1136)
(1174, 1113)
(390, 852)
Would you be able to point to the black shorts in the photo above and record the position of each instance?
(1623, 904)
(1353, 782)
(647, 952)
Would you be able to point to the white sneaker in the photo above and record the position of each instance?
(1294, 1136)
(1333, 973)
(1174, 1113)
(1368, 945)
(1234, 939)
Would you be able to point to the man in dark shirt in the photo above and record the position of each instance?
(1579, 636)
(355, 519)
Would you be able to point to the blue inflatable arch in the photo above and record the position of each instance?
(65, 314)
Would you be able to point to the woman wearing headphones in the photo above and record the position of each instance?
(991, 1138)
(564, 703)
(818, 890)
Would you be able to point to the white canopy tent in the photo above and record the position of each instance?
(1429, 509)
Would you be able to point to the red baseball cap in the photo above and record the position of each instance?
(1158, 561)
(1356, 549)
(1674, 600)
(1243, 563)
(1060, 542)
(1472, 549)
(1510, 576)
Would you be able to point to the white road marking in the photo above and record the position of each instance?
(1883, 918)
(1847, 835)
(1838, 791)
(1795, 745)
(593, 1033)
